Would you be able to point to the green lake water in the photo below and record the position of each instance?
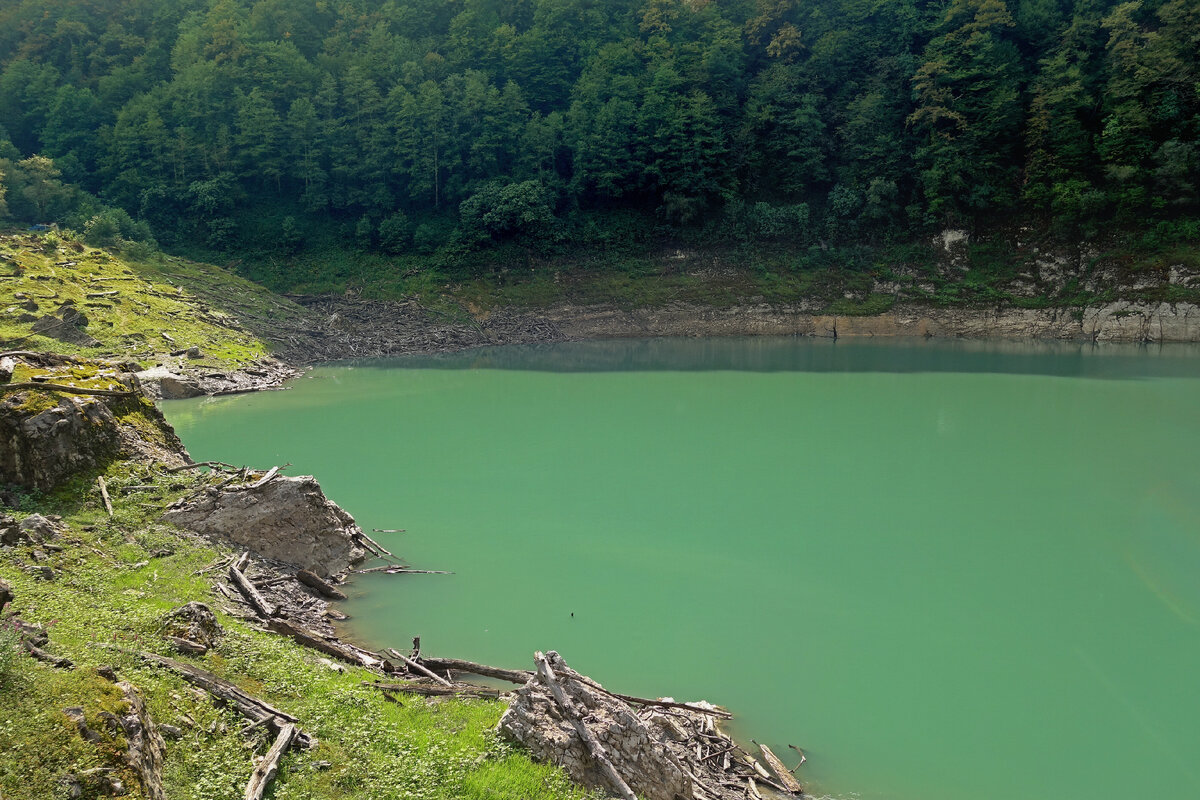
(948, 571)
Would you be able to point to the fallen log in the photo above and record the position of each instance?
(323, 586)
(394, 569)
(519, 676)
(346, 652)
(199, 464)
(147, 750)
(245, 704)
(372, 545)
(418, 667)
(786, 778)
(455, 689)
(594, 748)
(265, 770)
(48, 658)
(249, 592)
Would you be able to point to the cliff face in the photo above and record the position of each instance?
(49, 433)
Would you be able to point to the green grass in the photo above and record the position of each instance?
(110, 589)
(195, 304)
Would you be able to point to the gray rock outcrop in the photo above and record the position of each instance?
(636, 751)
(42, 445)
(34, 529)
(287, 519)
(40, 449)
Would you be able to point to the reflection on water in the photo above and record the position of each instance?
(809, 354)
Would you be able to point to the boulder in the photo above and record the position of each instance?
(45, 439)
(637, 752)
(287, 519)
(6, 594)
(42, 529)
(161, 382)
(39, 449)
(193, 623)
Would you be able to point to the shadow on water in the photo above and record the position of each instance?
(805, 354)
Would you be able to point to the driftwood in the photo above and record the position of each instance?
(418, 667)
(800, 753)
(323, 586)
(396, 569)
(454, 689)
(518, 676)
(346, 652)
(785, 777)
(49, 658)
(245, 704)
(387, 530)
(198, 465)
(104, 494)
(373, 546)
(147, 750)
(265, 479)
(264, 771)
(58, 387)
(247, 589)
(595, 749)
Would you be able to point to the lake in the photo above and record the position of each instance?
(946, 570)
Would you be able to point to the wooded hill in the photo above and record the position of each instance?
(413, 125)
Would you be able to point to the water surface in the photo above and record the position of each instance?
(949, 571)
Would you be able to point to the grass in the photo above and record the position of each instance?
(196, 304)
(114, 584)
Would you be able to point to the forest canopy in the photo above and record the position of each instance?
(414, 121)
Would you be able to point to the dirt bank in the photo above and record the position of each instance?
(336, 327)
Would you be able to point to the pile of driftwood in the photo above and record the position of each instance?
(657, 749)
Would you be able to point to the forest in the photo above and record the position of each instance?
(409, 126)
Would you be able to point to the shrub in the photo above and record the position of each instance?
(395, 233)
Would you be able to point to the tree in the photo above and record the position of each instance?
(968, 112)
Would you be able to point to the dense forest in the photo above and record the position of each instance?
(408, 125)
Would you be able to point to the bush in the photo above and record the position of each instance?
(502, 211)
(102, 230)
(395, 233)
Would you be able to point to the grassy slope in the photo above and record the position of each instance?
(196, 304)
(111, 588)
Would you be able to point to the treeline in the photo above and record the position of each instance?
(825, 120)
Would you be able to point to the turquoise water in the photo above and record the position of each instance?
(945, 570)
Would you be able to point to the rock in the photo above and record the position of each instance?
(175, 387)
(41, 449)
(42, 529)
(67, 326)
(75, 714)
(44, 573)
(41, 445)
(7, 367)
(193, 352)
(10, 531)
(170, 732)
(288, 520)
(6, 594)
(640, 757)
(193, 626)
(161, 382)
(108, 673)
